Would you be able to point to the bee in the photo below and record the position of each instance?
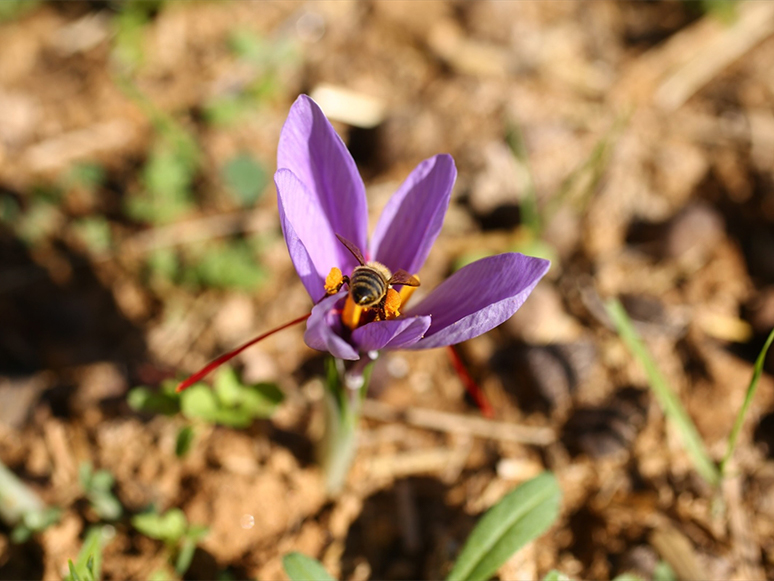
(371, 281)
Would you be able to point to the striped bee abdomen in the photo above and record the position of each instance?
(367, 286)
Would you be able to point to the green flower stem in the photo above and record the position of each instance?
(345, 390)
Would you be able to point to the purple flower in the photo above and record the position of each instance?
(321, 195)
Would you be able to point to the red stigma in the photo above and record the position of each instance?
(231, 354)
(470, 385)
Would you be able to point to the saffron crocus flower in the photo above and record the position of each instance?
(323, 210)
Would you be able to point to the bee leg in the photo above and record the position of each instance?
(334, 281)
(379, 310)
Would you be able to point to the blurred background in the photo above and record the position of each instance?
(630, 142)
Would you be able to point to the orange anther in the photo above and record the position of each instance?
(406, 292)
(350, 316)
(392, 303)
(333, 281)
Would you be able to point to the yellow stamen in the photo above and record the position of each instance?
(392, 304)
(351, 314)
(406, 292)
(333, 281)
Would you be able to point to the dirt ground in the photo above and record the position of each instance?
(645, 131)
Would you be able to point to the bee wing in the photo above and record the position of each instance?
(353, 249)
(400, 276)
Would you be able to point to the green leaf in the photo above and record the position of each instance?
(225, 110)
(128, 28)
(554, 575)
(663, 572)
(161, 575)
(299, 567)
(262, 400)
(107, 506)
(249, 46)
(673, 409)
(183, 441)
(197, 532)
(167, 175)
(233, 417)
(102, 480)
(246, 178)
(86, 175)
(85, 472)
(522, 515)
(41, 221)
(144, 399)
(88, 566)
(185, 556)
(751, 389)
(13, 9)
(169, 527)
(228, 386)
(164, 264)
(198, 401)
(9, 209)
(73, 573)
(95, 233)
(35, 521)
(231, 266)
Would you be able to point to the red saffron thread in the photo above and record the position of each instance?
(231, 354)
(470, 385)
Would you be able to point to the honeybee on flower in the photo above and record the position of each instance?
(360, 288)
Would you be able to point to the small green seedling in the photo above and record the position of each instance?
(88, 566)
(245, 178)
(169, 171)
(98, 488)
(184, 441)
(749, 395)
(230, 264)
(94, 232)
(664, 572)
(665, 395)
(88, 176)
(521, 515)
(163, 401)
(22, 509)
(229, 403)
(299, 567)
(173, 529)
(270, 61)
(34, 522)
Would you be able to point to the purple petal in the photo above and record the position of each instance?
(323, 329)
(313, 151)
(311, 243)
(413, 217)
(394, 334)
(477, 298)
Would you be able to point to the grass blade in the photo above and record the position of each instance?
(299, 567)
(751, 389)
(666, 397)
(519, 517)
(88, 566)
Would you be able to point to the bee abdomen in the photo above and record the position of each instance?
(367, 286)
